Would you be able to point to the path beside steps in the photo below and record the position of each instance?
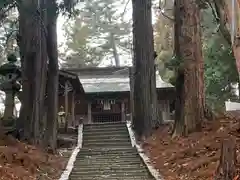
(107, 154)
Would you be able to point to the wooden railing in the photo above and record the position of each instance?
(106, 117)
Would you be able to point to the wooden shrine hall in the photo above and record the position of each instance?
(102, 94)
(70, 93)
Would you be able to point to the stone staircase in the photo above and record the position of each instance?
(107, 154)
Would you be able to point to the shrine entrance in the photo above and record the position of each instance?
(107, 95)
(107, 110)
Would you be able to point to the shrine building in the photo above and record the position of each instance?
(102, 94)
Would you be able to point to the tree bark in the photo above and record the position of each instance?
(30, 40)
(145, 106)
(43, 68)
(227, 166)
(190, 84)
(52, 88)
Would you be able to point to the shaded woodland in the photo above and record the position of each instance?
(202, 62)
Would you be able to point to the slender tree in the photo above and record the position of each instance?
(145, 115)
(189, 84)
(52, 91)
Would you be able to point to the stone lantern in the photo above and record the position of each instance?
(10, 72)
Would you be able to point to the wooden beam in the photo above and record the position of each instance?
(73, 108)
(89, 112)
(123, 115)
(164, 104)
(67, 75)
(131, 92)
(66, 105)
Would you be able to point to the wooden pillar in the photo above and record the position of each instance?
(168, 109)
(66, 105)
(131, 92)
(73, 109)
(165, 109)
(123, 115)
(89, 112)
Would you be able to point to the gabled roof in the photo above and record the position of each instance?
(112, 84)
(109, 79)
(72, 78)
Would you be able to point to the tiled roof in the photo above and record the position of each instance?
(113, 83)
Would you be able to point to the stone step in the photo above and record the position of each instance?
(112, 144)
(105, 129)
(107, 172)
(105, 132)
(107, 162)
(112, 130)
(115, 140)
(110, 178)
(105, 136)
(107, 175)
(108, 142)
(108, 124)
(129, 177)
(114, 175)
(108, 154)
(110, 166)
(111, 157)
(107, 151)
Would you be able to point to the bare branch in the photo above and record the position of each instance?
(3, 11)
(125, 7)
(162, 10)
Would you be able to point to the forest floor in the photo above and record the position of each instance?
(194, 157)
(19, 161)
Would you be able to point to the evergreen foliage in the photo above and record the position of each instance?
(99, 33)
(220, 71)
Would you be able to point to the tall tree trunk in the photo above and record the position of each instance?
(188, 49)
(52, 91)
(43, 67)
(227, 166)
(30, 40)
(145, 105)
(115, 52)
(179, 103)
